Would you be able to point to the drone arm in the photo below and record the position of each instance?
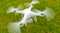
(20, 12)
(38, 14)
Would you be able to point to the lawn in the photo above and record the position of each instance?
(41, 26)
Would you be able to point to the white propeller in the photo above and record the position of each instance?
(14, 27)
(49, 13)
(12, 9)
(34, 2)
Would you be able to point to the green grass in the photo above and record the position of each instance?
(41, 26)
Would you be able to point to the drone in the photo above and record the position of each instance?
(27, 18)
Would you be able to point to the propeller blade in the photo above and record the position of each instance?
(49, 13)
(11, 9)
(14, 28)
(34, 2)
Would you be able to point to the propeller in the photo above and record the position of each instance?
(12, 9)
(49, 13)
(14, 27)
(34, 2)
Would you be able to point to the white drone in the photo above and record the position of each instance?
(28, 13)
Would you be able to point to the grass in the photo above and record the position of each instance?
(41, 26)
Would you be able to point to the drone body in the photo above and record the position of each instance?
(28, 14)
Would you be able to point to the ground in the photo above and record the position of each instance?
(41, 26)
